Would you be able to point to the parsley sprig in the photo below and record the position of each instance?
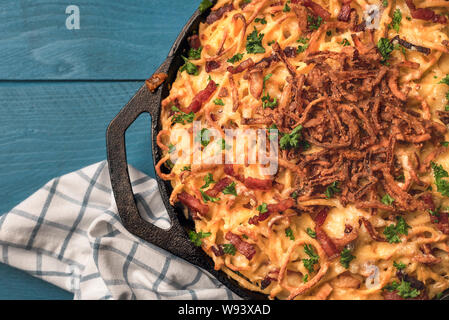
(196, 237)
(392, 232)
(332, 189)
(289, 234)
(181, 117)
(396, 22)
(310, 263)
(346, 257)
(254, 42)
(228, 248)
(208, 179)
(230, 189)
(403, 289)
(439, 173)
(189, 67)
(236, 58)
(291, 140)
(385, 48)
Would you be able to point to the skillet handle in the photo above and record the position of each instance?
(174, 239)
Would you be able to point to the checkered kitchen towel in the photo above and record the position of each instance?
(69, 233)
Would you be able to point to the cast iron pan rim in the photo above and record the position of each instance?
(175, 239)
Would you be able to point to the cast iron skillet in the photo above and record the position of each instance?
(175, 239)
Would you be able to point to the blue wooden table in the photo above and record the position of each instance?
(60, 86)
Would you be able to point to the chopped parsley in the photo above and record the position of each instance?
(187, 168)
(309, 263)
(314, 22)
(254, 42)
(203, 137)
(224, 146)
(439, 173)
(294, 195)
(392, 232)
(181, 117)
(189, 67)
(332, 189)
(219, 102)
(230, 189)
(195, 54)
(228, 248)
(204, 5)
(385, 48)
(262, 208)
(196, 237)
(208, 179)
(267, 101)
(346, 257)
(445, 80)
(289, 234)
(445, 143)
(262, 21)
(305, 279)
(403, 289)
(397, 18)
(208, 198)
(236, 58)
(345, 42)
(286, 7)
(385, 3)
(386, 199)
(271, 42)
(399, 265)
(311, 233)
(171, 148)
(304, 46)
(291, 140)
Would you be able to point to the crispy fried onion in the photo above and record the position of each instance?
(353, 108)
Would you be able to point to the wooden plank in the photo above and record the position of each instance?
(49, 129)
(125, 39)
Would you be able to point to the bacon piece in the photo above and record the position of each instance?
(212, 65)
(229, 170)
(281, 206)
(317, 9)
(265, 282)
(218, 187)
(290, 52)
(372, 232)
(248, 250)
(194, 41)
(202, 97)
(258, 184)
(155, 81)
(248, 63)
(218, 14)
(320, 218)
(193, 203)
(443, 222)
(326, 243)
(218, 250)
(425, 13)
(345, 12)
